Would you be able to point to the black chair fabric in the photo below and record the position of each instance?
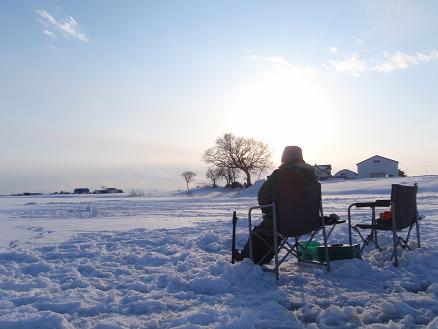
(405, 204)
(298, 208)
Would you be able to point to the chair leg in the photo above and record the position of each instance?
(376, 243)
(367, 240)
(288, 252)
(395, 254)
(271, 247)
(363, 246)
(298, 249)
(350, 239)
(327, 258)
(274, 222)
(417, 226)
(404, 243)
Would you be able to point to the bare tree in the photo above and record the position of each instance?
(248, 155)
(214, 174)
(231, 175)
(188, 177)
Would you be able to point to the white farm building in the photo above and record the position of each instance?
(377, 166)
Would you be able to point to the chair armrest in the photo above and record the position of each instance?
(364, 204)
(269, 205)
(382, 203)
(262, 206)
(377, 203)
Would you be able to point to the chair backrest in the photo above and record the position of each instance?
(405, 203)
(298, 208)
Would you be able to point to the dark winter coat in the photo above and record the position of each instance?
(296, 173)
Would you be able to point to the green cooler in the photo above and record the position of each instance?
(309, 250)
(339, 251)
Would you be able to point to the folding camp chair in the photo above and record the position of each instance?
(403, 204)
(297, 211)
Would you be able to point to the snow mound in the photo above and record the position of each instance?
(170, 278)
(251, 191)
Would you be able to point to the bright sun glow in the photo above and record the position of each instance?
(284, 107)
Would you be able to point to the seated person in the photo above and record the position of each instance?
(292, 169)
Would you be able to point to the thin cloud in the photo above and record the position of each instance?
(50, 34)
(280, 62)
(400, 61)
(68, 26)
(352, 65)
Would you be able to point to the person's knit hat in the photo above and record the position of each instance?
(292, 154)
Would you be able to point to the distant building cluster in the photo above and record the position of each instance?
(27, 194)
(78, 190)
(83, 190)
(376, 166)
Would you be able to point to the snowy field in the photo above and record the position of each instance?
(163, 262)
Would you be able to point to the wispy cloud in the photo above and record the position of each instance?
(279, 62)
(67, 27)
(400, 61)
(352, 64)
(50, 34)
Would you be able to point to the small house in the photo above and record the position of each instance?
(323, 172)
(345, 174)
(81, 190)
(108, 190)
(377, 166)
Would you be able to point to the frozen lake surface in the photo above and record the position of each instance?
(114, 261)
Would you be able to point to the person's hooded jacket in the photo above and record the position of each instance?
(296, 173)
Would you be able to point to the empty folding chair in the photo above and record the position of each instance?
(404, 215)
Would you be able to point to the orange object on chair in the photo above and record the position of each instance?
(386, 215)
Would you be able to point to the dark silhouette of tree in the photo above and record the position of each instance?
(188, 177)
(246, 154)
(214, 174)
(231, 175)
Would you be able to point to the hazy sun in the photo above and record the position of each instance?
(283, 108)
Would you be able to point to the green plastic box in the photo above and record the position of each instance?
(339, 251)
(309, 250)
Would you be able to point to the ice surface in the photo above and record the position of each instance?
(163, 262)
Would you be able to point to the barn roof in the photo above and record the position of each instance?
(374, 157)
(344, 170)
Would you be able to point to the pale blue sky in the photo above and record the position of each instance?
(131, 93)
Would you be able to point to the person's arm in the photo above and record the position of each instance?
(265, 192)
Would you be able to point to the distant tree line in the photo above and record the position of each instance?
(233, 156)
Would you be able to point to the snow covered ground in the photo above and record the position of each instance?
(163, 262)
